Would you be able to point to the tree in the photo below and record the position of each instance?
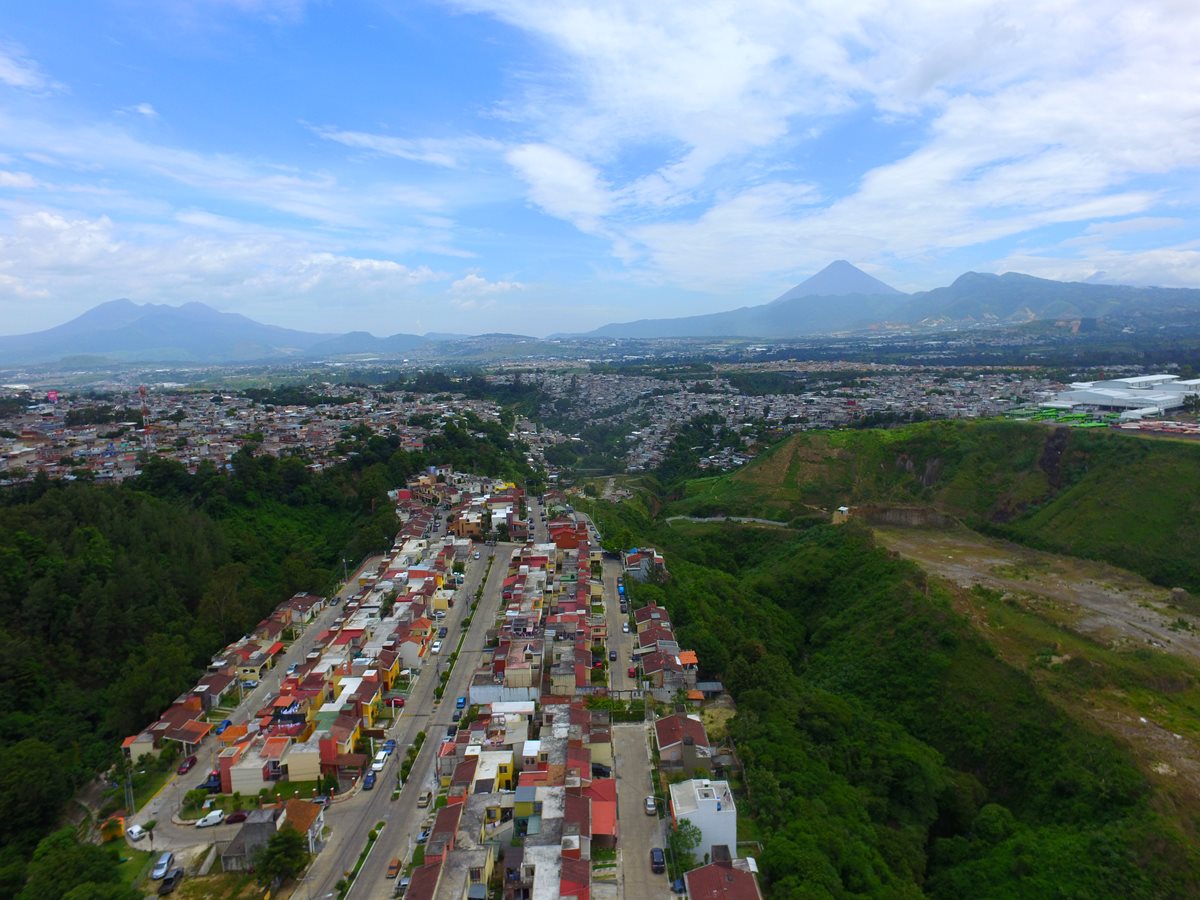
(33, 787)
(61, 864)
(682, 842)
(284, 857)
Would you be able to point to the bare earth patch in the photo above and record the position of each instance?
(1108, 604)
(1111, 606)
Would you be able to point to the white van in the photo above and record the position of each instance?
(381, 759)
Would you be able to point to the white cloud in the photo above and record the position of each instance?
(449, 153)
(666, 127)
(80, 262)
(19, 71)
(474, 285)
(562, 185)
(141, 109)
(1175, 266)
(17, 180)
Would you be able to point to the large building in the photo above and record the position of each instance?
(1135, 398)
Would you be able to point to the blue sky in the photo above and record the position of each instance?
(538, 166)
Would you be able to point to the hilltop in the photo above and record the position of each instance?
(1099, 495)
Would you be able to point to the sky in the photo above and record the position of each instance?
(537, 167)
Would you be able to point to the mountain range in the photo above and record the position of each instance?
(842, 298)
(839, 298)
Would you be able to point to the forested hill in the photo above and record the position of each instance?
(113, 598)
(888, 751)
(1099, 494)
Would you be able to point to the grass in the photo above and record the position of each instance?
(282, 790)
(135, 864)
(225, 886)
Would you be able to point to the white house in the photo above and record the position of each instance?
(709, 806)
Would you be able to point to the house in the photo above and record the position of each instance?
(682, 743)
(710, 807)
(255, 833)
(721, 881)
(307, 818)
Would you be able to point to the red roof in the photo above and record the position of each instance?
(714, 882)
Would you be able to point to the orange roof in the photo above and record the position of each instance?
(604, 817)
(274, 747)
(695, 695)
(688, 657)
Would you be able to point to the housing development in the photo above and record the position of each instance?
(467, 717)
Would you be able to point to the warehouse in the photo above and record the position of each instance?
(1138, 397)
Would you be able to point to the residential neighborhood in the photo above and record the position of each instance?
(466, 717)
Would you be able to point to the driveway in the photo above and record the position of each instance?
(639, 832)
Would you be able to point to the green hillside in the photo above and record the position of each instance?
(1100, 494)
(888, 751)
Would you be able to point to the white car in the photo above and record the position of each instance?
(381, 759)
(135, 832)
(215, 817)
(437, 647)
(625, 627)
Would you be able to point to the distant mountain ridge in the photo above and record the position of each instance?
(841, 297)
(124, 331)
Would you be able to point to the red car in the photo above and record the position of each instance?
(186, 765)
(395, 701)
(633, 671)
(234, 818)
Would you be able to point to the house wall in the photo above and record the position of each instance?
(303, 764)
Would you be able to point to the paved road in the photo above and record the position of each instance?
(639, 832)
(169, 836)
(618, 676)
(350, 820)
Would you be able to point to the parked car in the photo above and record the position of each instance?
(170, 882)
(477, 554)
(213, 817)
(425, 799)
(443, 631)
(224, 724)
(393, 867)
(612, 655)
(250, 684)
(632, 672)
(234, 817)
(460, 703)
(457, 715)
(389, 746)
(186, 765)
(291, 670)
(658, 862)
(625, 627)
(369, 781)
(423, 836)
(651, 806)
(395, 702)
(163, 866)
(436, 647)
(212, 784)
(451, 731)
(381, 759)
(135, 832)
(599, 770)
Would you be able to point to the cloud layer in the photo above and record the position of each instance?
(640, 158)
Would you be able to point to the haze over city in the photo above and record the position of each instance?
(502, 165)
